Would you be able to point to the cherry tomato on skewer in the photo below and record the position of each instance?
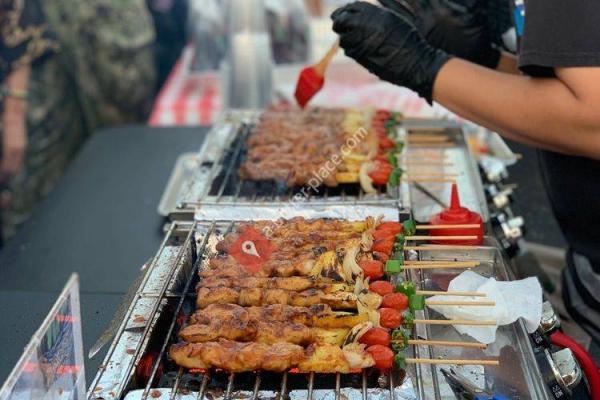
(372, 268)
(381, 256)
(376, 336)
(381, 287)
(397, 301)
(384, 245)
(389, 318)
(395, 227)
(383, 356)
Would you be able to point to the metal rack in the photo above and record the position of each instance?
(211, 178)
(137, 366)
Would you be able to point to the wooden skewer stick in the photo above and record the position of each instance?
(455, 226)
(444, 361)
(450, 293)
(415, 175)
(435, 266)
(460, 303)
(421, 342)
(427, 140)
(432, 163)
(431, 145)
(425, 237)
(442, 262)
(428, 180)
(455, 322)
(440, 247)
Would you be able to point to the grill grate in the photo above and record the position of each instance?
(148, 367)
(224, 186)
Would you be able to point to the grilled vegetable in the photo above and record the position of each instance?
(407, 288)
(416, 302)
(397, 301)
(376, 336)
(400, 339)
(372, 268)
(381, 287)
(393, 267)
(389, 318)
(383, 356)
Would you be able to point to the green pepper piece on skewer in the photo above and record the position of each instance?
(408, 320)
(395, 176)
(393, 267)
(400, 360)
(409, 227)
(407, 288)
(393, 159)
(400, 339)
(399, 147)
(398, 255)
(416, 302)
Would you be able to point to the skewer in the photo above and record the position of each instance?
(460, 303)
(439, 247)
(446, 343)
(425, 237)
(424, 138)
(432, 163)
(454, 322)
(442, 262)
(436, 266)
(415, 175)
(428, 180)
(450, 293)
(433, 144)
(455, 226)
(442, 361)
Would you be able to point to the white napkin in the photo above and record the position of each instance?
(514, 300)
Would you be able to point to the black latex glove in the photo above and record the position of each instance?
(459, 27)
(389, 45)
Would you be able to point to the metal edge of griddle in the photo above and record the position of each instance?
(490, 252)
(186, 183)
(141, 317)
(457, 135)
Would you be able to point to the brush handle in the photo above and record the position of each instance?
(322, 65)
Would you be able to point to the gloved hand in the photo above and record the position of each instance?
(389, 46)
(459, 27)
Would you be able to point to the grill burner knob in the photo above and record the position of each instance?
(548, 324)
(561, 372)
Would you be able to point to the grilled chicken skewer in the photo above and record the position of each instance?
(260, 296)
(319, 315)
(240, 357)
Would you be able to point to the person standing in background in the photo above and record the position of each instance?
(67, 69)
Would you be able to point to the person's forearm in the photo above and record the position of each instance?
(542, 112)
(508, 64)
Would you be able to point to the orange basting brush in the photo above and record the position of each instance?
(312, 78)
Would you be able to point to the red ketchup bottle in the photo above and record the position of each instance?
(457, 215)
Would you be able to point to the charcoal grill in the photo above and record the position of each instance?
(211, 180)
(137, 365)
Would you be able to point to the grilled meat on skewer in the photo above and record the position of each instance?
(259, 296)
(240, 357)
(262, 332)
(318, 315)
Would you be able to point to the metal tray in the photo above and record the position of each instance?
(517, 377)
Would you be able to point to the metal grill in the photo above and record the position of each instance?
(137, 364)
(216, 181)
